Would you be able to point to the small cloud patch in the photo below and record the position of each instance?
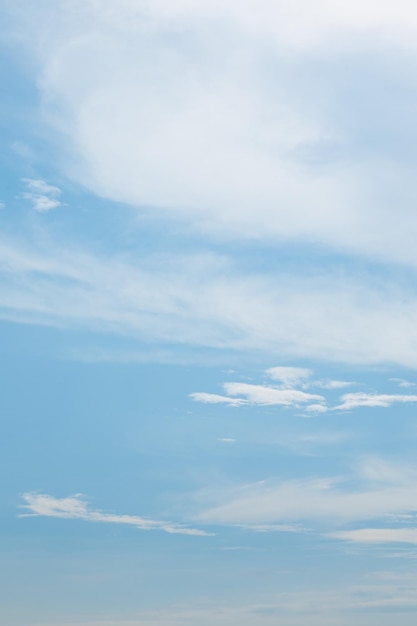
(44, 197)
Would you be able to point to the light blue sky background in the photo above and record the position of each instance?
(208, 313)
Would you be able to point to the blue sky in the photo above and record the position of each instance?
(208, 313)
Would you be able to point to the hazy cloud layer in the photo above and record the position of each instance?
(206, 301)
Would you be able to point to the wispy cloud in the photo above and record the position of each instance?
(374, 490)
(213, 398)
(75, 507)
(332, 384)
(302, 377)
(378, 535)
(316, 408)
(289, 376)
(245, 393)
(285, 394)
(359, 399)
(44, 197)
(401, 382)
(205, 300)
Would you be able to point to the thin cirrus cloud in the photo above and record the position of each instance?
(214, 305)
(75, 507)
(401, 382)
(374, 490)
(288, 506)
(305, 171)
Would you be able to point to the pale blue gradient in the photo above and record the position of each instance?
(165, 274)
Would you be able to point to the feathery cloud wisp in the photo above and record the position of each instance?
(359, 399)
(380, 489)
(44, 197)
(75, 507)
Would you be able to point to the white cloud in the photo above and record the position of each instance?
(406, 384)
(212, 398)
(239, 147)
(296, 23)
(273, 528)
(286, 395)
(380, 489)
(44, 197)
(316, 408)
(359, 399)
(205, 301)
(289, 376)
(75, 507)
(258, 394)
(378, 535)
(226, 440)
(301, 376)
(332, 384)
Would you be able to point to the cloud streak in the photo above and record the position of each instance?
(75, 507)
(360, 399)
(260, 395)
(378, 535)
